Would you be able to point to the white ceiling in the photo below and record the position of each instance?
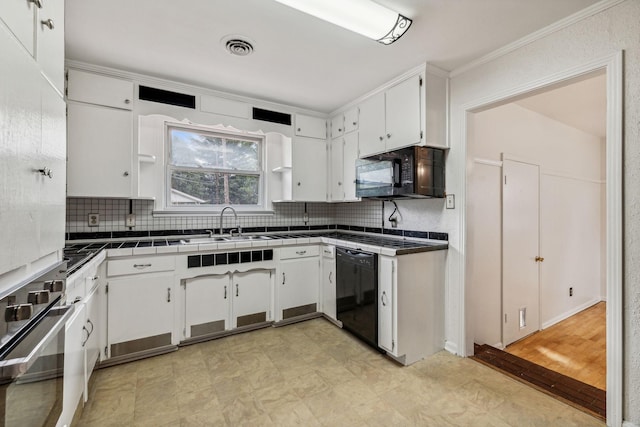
(581, 105)
(298, 60)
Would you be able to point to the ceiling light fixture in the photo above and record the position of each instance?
(361, 16)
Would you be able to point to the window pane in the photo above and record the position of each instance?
(198, 188)
(203, 150)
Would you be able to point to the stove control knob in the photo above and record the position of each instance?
(54, 285)
(38, 297)
(14, 313)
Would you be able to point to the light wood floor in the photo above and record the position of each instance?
(575, 347)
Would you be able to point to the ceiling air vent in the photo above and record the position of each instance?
(237, 45)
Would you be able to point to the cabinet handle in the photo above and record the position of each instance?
(168, 294)
(48, 23)
(141, 266)
(45, 171)
(283, 279)
(237, 291)
(92, 327)
(384, 294)
(38, 3)
(300, 253)
(330, 273)
(225, 291)
(87, 338)
(126, 173)
(127, 101)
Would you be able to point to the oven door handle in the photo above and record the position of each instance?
(13, 368)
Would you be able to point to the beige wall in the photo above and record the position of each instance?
(603, 34)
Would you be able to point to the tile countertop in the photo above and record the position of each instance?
(375, 243)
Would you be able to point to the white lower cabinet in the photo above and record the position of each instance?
(76, 335)
(410, 305)
(140, 313)
(93, 326)
(219, 302)
(298, 282)
(328, 282)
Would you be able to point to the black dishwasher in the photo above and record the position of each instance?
(357, 293)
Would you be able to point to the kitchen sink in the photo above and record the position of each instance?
(217, 239)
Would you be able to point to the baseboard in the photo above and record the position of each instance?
(570, 313)
(451, 347)
(629, 424)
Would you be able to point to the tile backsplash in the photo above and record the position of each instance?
(367, 215)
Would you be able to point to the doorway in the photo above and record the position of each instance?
(536, 218)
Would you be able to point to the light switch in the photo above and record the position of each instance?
(451, 201)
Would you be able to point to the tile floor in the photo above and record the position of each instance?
(313, 374)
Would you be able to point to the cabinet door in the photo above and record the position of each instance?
(351, 120)
(50, 39)
(349, 154)
(386, 299)
(19, 15)
(207, 305)
(251, 297)
(309, 168)
(20, 137)
(100, 90)
(74, 352)
(99, 151)
(329, 286)
(137, 308)
(337, 126)
(337, 169)
(372, 128)
(298, 287)
(403, 114)
(92, 347)
(53, 155)
(310, 127)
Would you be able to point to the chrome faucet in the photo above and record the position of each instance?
(235, 216)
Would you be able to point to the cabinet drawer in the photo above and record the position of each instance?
(140, 265)
(101, 90)
(299, 252)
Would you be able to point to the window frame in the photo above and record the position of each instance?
(218, 132)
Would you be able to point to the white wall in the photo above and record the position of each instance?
(570, 214)
(590, 39)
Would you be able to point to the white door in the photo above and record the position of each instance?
(251, 297)
(372, 126)
(309, 170)
(520, 247)
(207, 305)
(298, 283)
(337, 168)
(402, 114)
(386, 323)
(329, 282)
(349, 156)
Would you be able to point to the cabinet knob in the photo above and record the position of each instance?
(355, 123)
(382, 138)
(339, 130)
(339, 183)
(127, 101)
(48, 23)
(126, 173)
(38, 3)
(299, 129)
(388, 135)
(45, 171)
(298, 184)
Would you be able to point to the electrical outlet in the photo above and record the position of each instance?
(130, 220)
(305, 217)
(451, 201)
(93, 219)
(571, 291)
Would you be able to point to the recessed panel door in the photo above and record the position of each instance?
(520, 247)
(207, 305)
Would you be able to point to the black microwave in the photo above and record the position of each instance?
(416, 172)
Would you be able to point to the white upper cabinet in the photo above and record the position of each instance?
(310, 127)
(402, 114)
(100, 136)
(309, 168)
(100, 90)
(372, 125)
(344, 152)
(19, 16)
(337, 126)
(50, 41)
(351, 120)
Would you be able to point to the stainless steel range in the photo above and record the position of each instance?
(32, 328)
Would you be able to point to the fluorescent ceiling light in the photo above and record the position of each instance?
(361, 16)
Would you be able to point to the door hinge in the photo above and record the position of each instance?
(420, 80)
(421, 133)
(184, 332)
(106, 288)
(505, 180)
(393, 345)
(105, 351)
(505, 318)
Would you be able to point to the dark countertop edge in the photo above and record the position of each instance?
(427, 245)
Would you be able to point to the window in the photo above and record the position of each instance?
(210, 168)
